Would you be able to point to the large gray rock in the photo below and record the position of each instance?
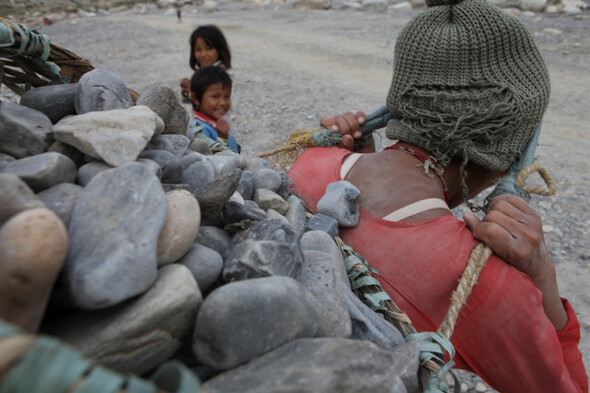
(242, 320)
(99, 90)
(115, 137)
(15, 197)
(162, 100)
(269, 248)
(43, 170)
(23, 131)
(61, 199)
(322, 273)
(138, 335)
(112, 255)
(55, 101)
(324, 365)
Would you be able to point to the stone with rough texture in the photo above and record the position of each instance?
(61, 199)
(213, 196)
(180, 228)
(267, 199)
(322, 274)
(242, 320)
(33, 248)
(204, 263)
(269, 248)
(138, 335)
(24, 131)
(99, 90)
(162, 100)
(341, 201)
(55, 101)
(296, 216)
(235, 212)
(115, 137)
(15, 197)
(43, 170)
(324, 365)
(113, 242)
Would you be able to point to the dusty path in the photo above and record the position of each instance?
(292, 66)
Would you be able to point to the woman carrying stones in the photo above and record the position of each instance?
(469, 90)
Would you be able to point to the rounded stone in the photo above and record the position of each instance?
(33, 248)
(181, 226)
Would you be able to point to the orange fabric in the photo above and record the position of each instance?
(502, 333)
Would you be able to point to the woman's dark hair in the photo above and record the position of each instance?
(213, 37)
(207, 76)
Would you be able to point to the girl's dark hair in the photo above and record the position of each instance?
(213, 37)
(207, 76)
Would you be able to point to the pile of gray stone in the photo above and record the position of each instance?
(131, 240)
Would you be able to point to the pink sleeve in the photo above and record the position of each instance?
(569, 338)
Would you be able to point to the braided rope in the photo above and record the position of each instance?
(480, 254)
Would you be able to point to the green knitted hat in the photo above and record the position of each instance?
(468, 81)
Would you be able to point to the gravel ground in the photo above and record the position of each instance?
(293, 66)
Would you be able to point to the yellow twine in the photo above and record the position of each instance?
(287, 152)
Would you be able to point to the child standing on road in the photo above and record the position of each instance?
(211, 96)
(208, 47)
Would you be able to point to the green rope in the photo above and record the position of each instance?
(31, 40)
(51, 366)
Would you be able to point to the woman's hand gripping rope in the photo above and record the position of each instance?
(350, 131)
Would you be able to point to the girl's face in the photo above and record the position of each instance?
(215, 102)
(205, 54)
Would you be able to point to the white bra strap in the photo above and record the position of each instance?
(415, 208)
(348, 163)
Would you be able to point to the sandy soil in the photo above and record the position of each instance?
(292, 66)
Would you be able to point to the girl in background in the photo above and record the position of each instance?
(208, 47)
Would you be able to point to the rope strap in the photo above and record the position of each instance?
(31, 41)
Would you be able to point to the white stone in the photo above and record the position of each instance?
(115, 137)
(181, 227)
